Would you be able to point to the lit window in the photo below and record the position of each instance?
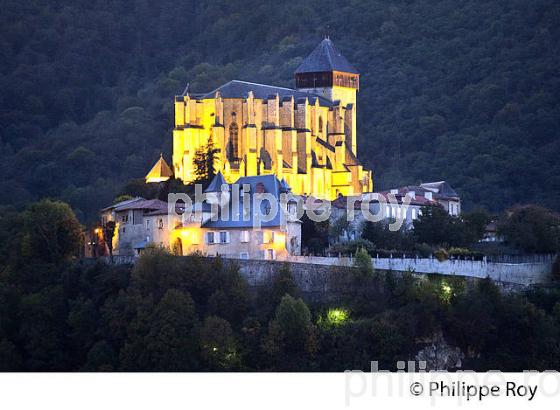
(244, 236)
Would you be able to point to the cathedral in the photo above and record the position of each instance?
(306, 135)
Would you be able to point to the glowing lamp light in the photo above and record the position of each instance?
(446, 292)
(337, 316)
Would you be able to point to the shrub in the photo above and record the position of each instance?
(441, 255)
(362, 261)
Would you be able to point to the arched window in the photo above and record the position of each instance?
(233, 143)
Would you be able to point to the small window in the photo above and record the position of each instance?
(244, 236)
(160, 223)
(243, 255)
(210, 238)
(224, 237)
(194, 238)
(147, 224)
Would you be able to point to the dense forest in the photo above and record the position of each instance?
(169, 313)
(461, 91)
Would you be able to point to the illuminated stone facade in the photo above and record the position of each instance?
(305, 135)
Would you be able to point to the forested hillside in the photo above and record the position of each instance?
(462, 91)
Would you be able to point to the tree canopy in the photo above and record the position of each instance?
(464, 92)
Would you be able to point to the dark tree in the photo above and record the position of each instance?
(205, 162)
(51, 232)
(108, 235)
(531, 228)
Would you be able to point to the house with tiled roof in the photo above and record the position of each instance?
(246, 219)
(132, 232)
(403, 203)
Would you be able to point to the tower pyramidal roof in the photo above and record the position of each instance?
(324, 58)
(160, 171)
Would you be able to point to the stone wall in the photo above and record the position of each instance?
(522, 273)
(325, 274)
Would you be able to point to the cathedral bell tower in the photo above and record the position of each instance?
(327, 73)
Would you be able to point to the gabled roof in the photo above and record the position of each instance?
(324, 58)
(241, 89)
(216, 183)
(142, 204)
(123, 203)
(441, 187)
(160, 171)
(236, 219)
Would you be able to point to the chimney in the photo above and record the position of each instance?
(428, 195)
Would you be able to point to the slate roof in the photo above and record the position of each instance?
(271, 186)
(442, 188)
(240, 89)
(143, 204)
(325, 57)
(216, 183)
(122, 203)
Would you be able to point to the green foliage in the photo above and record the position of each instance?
(283, 284)
(289, 332)
(218, 344)
(531, 228)
(205, 163)
(314, 235)
(100, 92)
(51, 232)
(195, 314)
(436, 227)
(334, 317)
(383, 238)
(362, 262)
(351, 247)
(475, 224)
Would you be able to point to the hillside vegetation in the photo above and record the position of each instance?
(462, 91)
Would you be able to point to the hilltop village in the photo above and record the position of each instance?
(276, 141)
